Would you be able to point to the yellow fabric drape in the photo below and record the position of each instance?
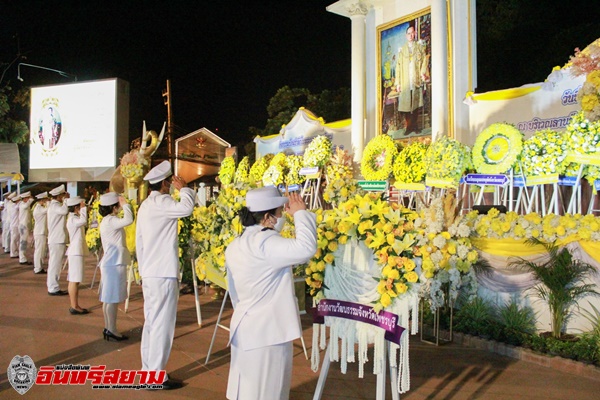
(518, 248)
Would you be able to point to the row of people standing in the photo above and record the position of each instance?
(259, 274)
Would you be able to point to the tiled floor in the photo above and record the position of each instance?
(35, 324)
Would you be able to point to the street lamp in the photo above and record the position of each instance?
(61, 73)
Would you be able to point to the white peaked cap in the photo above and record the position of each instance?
(109, 199)
(264, 199)
(159, 173)
(73, 201)
(9, 196)
(57, 190)
(43, 195)
(25, 195)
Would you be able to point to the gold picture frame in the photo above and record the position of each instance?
(404, 77)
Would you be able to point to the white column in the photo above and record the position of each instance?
(439, 68)
(357, 13)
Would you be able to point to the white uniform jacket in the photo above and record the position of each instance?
(113, 238)
(13, 214)
(261, 283)
(156, 243)
(57, 230)
(25, 213)
(40, 218)
(76, 227)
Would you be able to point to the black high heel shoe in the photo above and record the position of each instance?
(109, 335)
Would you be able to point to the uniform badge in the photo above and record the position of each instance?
(22, 373)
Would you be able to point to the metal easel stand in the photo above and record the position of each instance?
(196, 294)
(130, 278)
(219, 325)
(380, 389)
(311, 192)
(98, 258)
(593, 197)
(435, 339)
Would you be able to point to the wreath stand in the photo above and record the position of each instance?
(351, 321)
(311, 191)
(538, 184)
(216, 277)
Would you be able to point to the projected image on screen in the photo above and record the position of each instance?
(78, 130)
(50, 126)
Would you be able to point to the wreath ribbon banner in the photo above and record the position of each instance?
(589, 159)
(440, 183)
(542, 179)
(417, 187)
(359, 312)
(373, 186)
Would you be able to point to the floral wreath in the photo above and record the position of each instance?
(227, 170)
(241, 173)
(258, 169)
(409, 165)
(584, 136)
(387, 229)
(378, 157)
(318, 152)
(497, 148)
(294, 164)
(544, 153)
(447, 159)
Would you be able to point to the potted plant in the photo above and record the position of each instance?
(561, 281)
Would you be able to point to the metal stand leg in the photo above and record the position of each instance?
(196, 298)
(322, 376)
(217, 326)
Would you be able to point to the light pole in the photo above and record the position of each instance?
(61, 73)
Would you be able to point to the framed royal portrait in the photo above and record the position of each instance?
(404, 77)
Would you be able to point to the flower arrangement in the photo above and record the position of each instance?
(446, 159)
(134, 164)
(241, 172)
(546, 228)
(258, 169)
(446, 250)
(340, 183)
(215, 226)
(409, 164)
(386, 229)
(497, 148)
(318, 152)
(275, 173)
(227, 170)
(584, 136)
(544, 153)
(378, 157)
(587, 62)
(294, 164)
(92, 233)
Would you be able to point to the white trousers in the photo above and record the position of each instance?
(55, 258)
(6, 236)
(260, 374)
(41, 248)
(23, 241)
(160, 313)
(14, 241)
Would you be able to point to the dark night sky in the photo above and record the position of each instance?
(225, 59)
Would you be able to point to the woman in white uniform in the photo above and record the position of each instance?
(76, 222)
(265, 320)
(115, 260)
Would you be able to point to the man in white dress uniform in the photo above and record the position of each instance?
(158, 257)
(265, 320)
(6, 222)
(24, 226)
(13, 216)
(57, 238)
(40, 232)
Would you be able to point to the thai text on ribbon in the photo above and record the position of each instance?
(362, 313)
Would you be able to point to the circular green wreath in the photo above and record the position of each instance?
(378, 158)
(409, 165)
(497, 148)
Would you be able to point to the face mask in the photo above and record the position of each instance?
(279, 224)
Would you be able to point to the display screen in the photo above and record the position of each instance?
(76, 126)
